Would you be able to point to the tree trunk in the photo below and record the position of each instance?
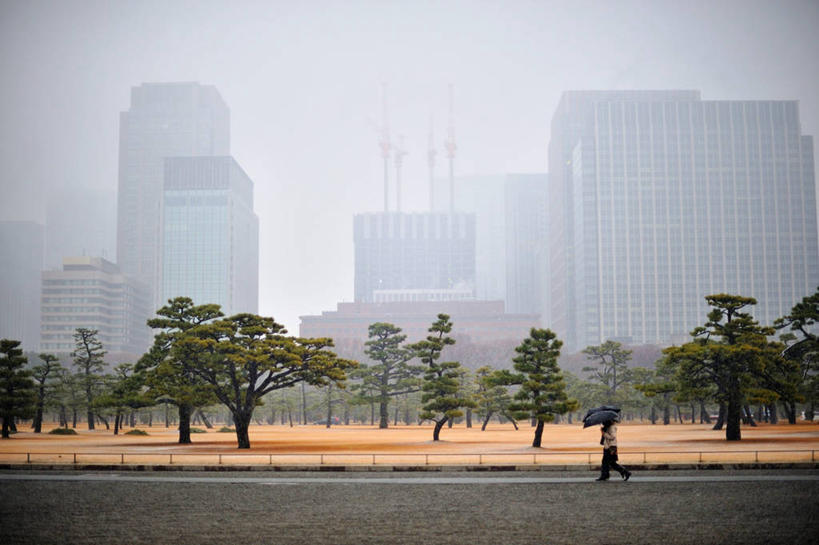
(303, 404)
(6, 434)
(116, 423)
(90, 417)
(773, 413)
(653, 414)
(290, 416)
(733, 417)
(383, 413)
(73, 418)
(63, 417)
(104, 421)
(704, 417)
(538, 434)
(790, 412)
(438, 425)
(720, 418)
(242, 422)
(329, 406)
(809, 412)
(38, 417)
(167, 424)
(750, 415)
(185, 411)
(486, 421)
(395, 414)
(468, 417)
(514, 422)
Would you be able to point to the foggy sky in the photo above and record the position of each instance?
(302, 81)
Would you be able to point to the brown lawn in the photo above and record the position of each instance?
(562, 444)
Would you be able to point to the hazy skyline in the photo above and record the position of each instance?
(302, 82)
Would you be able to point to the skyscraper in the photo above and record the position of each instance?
(526, 252)
(483, 196)
(661, 198)
(164, 120)
(421, 251)
(210, 234)
(21, 261)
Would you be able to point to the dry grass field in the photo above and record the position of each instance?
(499, 444)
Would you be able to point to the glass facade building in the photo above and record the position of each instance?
(164, 120)
(526, 229)
(398, 251)
(665, 198)
(210, 249)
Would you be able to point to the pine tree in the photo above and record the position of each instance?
(88, 360)
(542, 393)
(17, 394)
(442, 397)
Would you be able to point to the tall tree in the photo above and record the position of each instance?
(491, 396)
(17, 394)
(392, 375)
(124, 392)
(167, 378)
(542, 393)
(88, 359)
(803, 347)
(441, 396)
(45, 375)
(612, 367)
(729, 352)
(246, 356)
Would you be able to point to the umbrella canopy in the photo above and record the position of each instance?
(600, 417)
(600, 409)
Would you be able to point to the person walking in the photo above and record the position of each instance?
(609, 442)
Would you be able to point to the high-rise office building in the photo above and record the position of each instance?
(664, 198)
(420, 251)
(483, 196)
(21, 260)
(526, 251)
(210, 234)
(91, 292)
(164, 120)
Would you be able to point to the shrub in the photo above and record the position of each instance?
(198, 430)
(63, 431)
(136, 432)
(225, 429)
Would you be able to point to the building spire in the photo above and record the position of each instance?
(400, 152)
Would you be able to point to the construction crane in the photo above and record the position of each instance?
(384, 144)
(400, 152)
(450, 151)
(431, 163)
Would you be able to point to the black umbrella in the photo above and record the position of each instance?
(600, 417)
(602, 408)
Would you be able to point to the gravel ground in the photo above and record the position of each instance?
(362, 513)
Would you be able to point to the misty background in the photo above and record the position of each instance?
(302, 81)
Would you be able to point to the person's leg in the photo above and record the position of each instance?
(604, 466)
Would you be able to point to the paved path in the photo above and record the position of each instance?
(457, 480)
(672, 508)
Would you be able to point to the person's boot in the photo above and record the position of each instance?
(602, 478)
(626, 475)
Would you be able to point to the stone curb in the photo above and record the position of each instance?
(386, 468)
